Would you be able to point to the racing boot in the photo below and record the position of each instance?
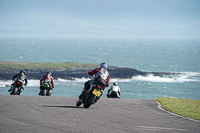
(80, 100)
(11, 88)
(40, 92)
(21, 89)
(50, 92)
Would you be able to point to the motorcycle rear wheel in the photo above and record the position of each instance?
(114, 95)
(89, 101)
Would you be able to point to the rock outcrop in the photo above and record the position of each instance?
(76, 72)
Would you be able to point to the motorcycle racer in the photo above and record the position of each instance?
(21, 77)
(101, 74)
(114, 89)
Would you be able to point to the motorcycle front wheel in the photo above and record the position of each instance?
(14, 91)
(78, 103)
(44, 92)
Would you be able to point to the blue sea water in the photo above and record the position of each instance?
(144, 54)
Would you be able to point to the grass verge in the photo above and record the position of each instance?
(185, 107)
(28, 65)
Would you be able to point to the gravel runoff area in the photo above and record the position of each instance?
(33, 114)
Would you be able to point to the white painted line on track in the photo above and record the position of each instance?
(159, 106)
(160, 128)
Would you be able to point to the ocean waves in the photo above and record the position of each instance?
(171, 79)
(181, 78)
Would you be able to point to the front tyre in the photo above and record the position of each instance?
(14, 91)
(89, 102)
(78, 103)
(44, 92)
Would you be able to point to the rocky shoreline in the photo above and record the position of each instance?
(77, 72)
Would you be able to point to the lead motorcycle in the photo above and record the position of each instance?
(17, 88)
(92, 95)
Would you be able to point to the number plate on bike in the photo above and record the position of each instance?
(96, 92)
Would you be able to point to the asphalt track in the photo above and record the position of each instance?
(34, 114)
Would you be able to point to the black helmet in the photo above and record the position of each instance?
(115, 83)
(49, 73)
(22, 71)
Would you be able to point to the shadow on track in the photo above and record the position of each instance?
(63, 106)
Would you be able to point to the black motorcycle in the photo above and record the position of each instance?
(17, 89)
(92, 95)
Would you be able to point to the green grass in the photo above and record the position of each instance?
(185, 107)
(28, 65)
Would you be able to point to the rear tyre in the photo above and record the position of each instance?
(89, 102)
(114, 95)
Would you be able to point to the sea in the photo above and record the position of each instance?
(175, 55)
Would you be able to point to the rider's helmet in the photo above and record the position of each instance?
(22, 71)
(115, 83)
(103, 65)
(49, 73)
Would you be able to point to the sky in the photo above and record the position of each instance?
(100, 18)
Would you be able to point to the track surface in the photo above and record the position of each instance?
(33, 114)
